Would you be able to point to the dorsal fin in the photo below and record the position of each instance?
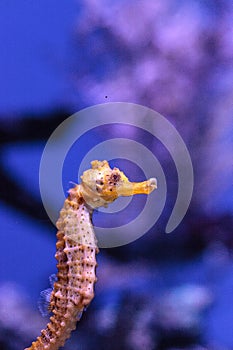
(52, 279)
(45, 297)
(44, 302)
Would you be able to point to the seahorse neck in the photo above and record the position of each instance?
(76, 219)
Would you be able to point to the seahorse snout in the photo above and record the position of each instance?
(131, 188)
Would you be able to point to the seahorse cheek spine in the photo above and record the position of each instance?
(76, 263)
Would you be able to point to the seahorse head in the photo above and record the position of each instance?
(101, 185)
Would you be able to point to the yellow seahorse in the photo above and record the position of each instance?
(77, 246)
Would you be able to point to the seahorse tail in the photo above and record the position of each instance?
(57, 330)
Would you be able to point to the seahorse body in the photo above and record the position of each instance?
(76, 262)
(77, 248)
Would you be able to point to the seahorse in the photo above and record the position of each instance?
(77, 247)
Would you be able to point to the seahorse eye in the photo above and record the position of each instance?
(115, 177)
